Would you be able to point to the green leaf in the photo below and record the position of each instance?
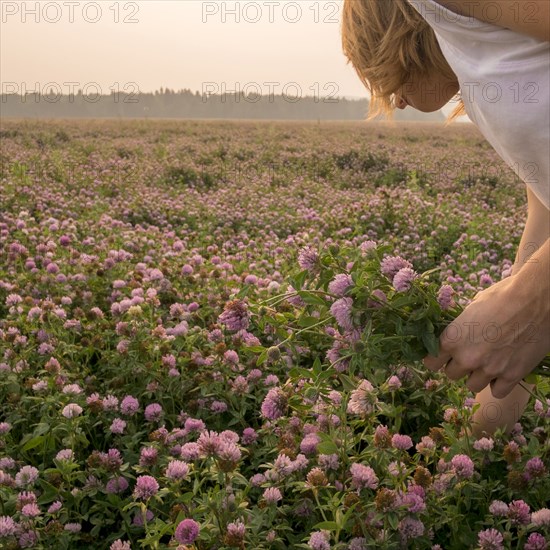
(34, 442)
(347, 382)
(243, 292)
(328, 525)
(49, 494)
(312, 299)
(297, 372)
(327, 448)
(307, 321)
(256, 349)
(393, 520)
(431, 343)
(533, 446)
(41, 429)
(298, 281)
(401, 302)
(317, 367)
(186, 497)
(429, 326)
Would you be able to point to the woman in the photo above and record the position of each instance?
(420, 53)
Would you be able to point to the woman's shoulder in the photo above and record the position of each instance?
(463, 30)
(528, 17)
(438, 13)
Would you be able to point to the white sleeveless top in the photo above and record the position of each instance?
(504, 79)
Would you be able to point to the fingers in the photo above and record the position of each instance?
(501, 387)
(447, 342)
(436, 363)
(477, 381)
(455, 370)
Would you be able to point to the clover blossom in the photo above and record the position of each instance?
(187, 531)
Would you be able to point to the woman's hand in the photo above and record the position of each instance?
(503, 334)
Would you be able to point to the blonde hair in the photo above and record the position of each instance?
(387, 41)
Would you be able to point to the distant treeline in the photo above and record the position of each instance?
(166, 103)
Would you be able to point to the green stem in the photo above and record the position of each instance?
(324, 321)
(315, 494)
(287, 295)
(341, 359)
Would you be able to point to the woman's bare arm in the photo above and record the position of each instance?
(496, 413)
(504, 333)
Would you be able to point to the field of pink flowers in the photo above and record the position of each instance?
(180, 364)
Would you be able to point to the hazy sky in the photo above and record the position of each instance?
(195, 44)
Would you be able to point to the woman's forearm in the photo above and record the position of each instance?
(503, 413)
(533, 279)
(535, 234)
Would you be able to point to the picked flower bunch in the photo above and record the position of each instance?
(386, 312)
